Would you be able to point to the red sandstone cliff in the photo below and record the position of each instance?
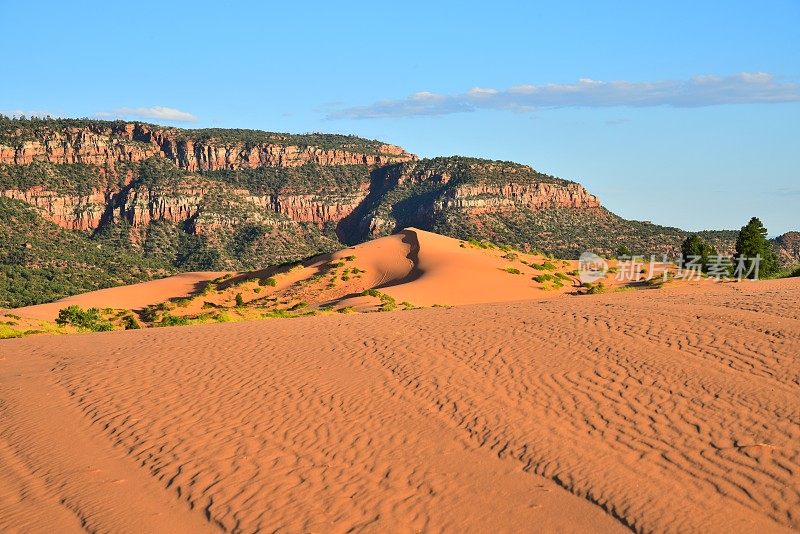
(110, 143)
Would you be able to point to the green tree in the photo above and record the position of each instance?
(694, 247)
(751, 242)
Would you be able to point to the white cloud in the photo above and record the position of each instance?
(155, 113)
(705, 90)
(483, 91)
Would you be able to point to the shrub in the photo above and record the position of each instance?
(149, 314)
(542, 278)
(13, 316)
(84, 319)
(346, 309)
(544, 266)
(512, 270)
(268, 282)
(387, 301)
(349, 258)
(130, 323)
(511, 256)
(172, 320)
(239, 300)
(599, 287)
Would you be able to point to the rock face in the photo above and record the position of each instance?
(106, 144)
(482, 198)
(204, 199)
(787, 248)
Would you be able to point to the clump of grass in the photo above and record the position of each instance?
(562, 276)
(349, 258)
(510, 256)
(481, 244)
(209, 288)
(256, 290)
(387, 301)
(13, 316)
(239, 300)
(278, 314)
(6, 332)
(222, 317)
(624, 289)
(544, 266)
(268, 282)
(512, 270)
(346, 309)
(337, 264)
(172, 320)
(407, 305)
(593, 289)
(542, 278)
(301, 304)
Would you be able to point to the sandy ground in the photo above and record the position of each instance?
(669, 410)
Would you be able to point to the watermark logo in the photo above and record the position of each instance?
(591, 268)
(720, 268)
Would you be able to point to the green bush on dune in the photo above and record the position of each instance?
(84, 319)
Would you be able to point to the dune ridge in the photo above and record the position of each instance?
(667, 411)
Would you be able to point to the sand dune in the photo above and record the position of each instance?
(672, 411)
(416, 267)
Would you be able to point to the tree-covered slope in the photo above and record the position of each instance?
(40, 262)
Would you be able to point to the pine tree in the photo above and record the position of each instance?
(694, 247)
(751, 242)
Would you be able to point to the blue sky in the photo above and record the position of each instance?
(682, 113)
